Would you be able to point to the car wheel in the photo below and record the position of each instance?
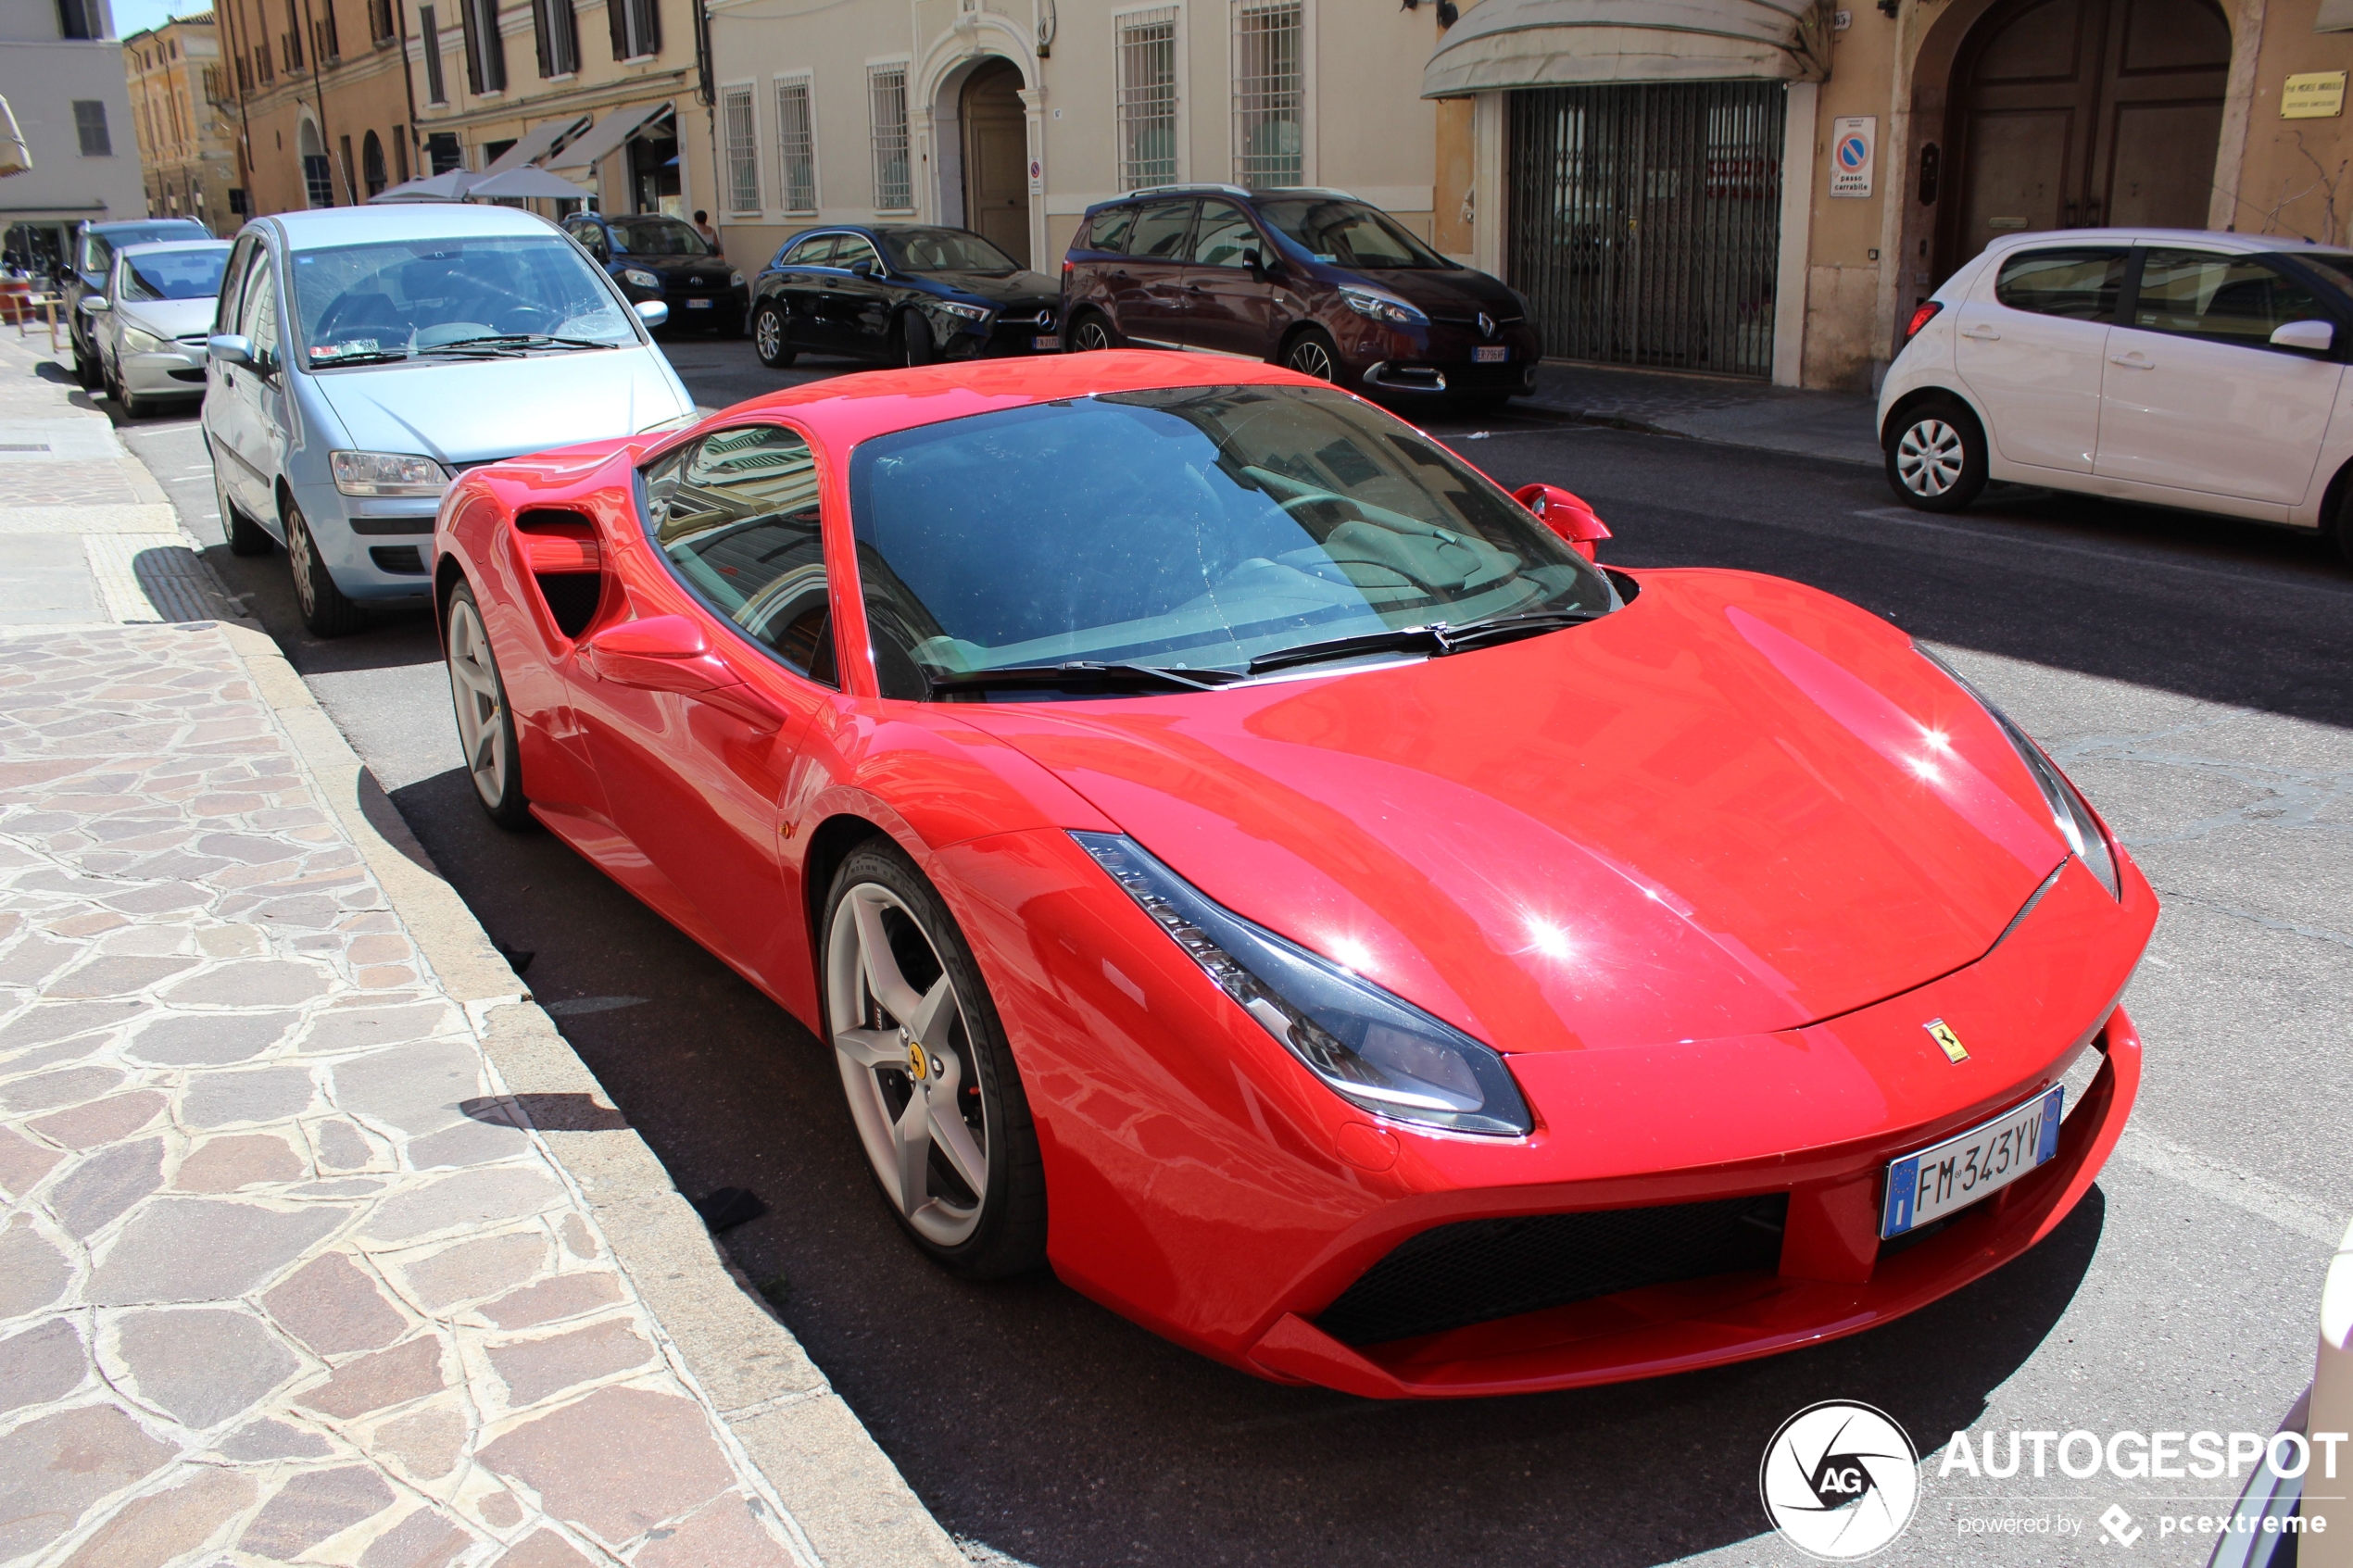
(770, 339)
(326, 610)
(485, 725)
(1936, 455)
(246, 537)
(1089, 332)
(2344, 526)
(931, 1084)
(1313, 353)
(913, 338)
(87, 370)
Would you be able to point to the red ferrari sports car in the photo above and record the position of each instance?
(1244, 858)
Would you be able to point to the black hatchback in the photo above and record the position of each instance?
(655, 257)
(906, 294)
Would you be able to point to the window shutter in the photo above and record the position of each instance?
(539, 24)
(473, 55)
(648, 18)
(618, 19)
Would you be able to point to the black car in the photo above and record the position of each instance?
(93, 248)
(653, 256)
(907, 294)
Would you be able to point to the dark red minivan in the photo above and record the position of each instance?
(1312, 278)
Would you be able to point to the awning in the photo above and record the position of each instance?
(15, 156)
(526, 183)
(449, 187)
(534, 144)
(1502, 44)
(606, 134)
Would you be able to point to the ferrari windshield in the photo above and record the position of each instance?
(1192, 528)
(364, 304)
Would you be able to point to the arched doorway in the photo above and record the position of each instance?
(2077, 113)
(996, 173)
(371, 163)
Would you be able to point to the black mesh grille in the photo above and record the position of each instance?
(1479, 1270)
(397, 558)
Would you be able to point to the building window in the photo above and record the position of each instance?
(380, 21)
(795, 145)
(261, 67)
(556, 31)
(740, 138)
(1148, 98)
(886, 106)
(290, 41)
(318, 180)
(400, 155)
(327, 43)
(436, 90)
(442, 152)
(636, 28)
(90, 122)
(1269, 94)
(486, 51)
(78, 19)
(371, 163)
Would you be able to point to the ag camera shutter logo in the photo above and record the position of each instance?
(1840, 1480)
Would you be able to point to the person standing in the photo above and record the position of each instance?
(702, 227)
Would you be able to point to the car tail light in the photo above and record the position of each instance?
(1923, 316)
(1068, 265)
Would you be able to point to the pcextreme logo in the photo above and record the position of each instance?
(1840, 1480)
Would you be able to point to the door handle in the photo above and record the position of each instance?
(1983, 334)
(2133, 361)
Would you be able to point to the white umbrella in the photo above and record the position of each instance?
(449, 187)
(525, 182)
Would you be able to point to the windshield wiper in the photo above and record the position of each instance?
(372, 356)
(529, 340)
(1079, 672)
(1438, 637)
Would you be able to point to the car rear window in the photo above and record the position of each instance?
(2081, 283)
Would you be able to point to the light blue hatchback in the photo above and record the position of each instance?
(360, 356)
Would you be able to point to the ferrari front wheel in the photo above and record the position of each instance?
(931, 1084)
(485, 725)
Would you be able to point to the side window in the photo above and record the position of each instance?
(850, 250)
(1109, 231)
(258, 312)
(2227, 298)
(2083, 285)
(815, 251)
(232, 277)
(1161, 230)
(1224, 232)
(735, 515)
(96, 253)
(592, 235)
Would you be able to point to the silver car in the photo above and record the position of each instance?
(362, 355)
(149, 322)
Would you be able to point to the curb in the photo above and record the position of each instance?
(852, 1506)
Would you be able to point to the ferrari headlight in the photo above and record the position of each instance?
(388, 473)
(1383, 307)
(2069, 811)
(968, 312)
(642, 279)
(1375, 1052)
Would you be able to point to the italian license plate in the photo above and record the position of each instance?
(1494, 356)
(700, 304)
(1047, 344)
(1928, 1185)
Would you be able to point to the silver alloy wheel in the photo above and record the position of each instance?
(906, 1064)
(767, 333)
(1929, 458)
(1091, 335)
(1308, 358)
(482, 715)
(298, 557)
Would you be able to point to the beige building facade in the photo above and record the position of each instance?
(1771, 188)
(321, 112)
(183, 105)
(1011, 116)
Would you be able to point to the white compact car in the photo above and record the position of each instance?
(2173, 367)
(150, 321)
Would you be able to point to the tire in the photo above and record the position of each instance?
(978, 1203)
(246, 537)
(326, 612)
(772, 336)
(1089, 332)
(87, 371)
(1936, 455)
(912, 340)
(2344, 526)
(1313, 353)
(485, 724)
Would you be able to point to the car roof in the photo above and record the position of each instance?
(149, 247)
(2204, 239)
(117, 226)
(844, 410)
(1270, 193)
(325, 227)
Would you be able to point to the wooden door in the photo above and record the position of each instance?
(2082, 113)
(997, 158)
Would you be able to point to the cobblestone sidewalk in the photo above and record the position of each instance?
(281, 1276)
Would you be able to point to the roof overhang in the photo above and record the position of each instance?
(1506, 43)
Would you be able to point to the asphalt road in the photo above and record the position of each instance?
(2189, 672)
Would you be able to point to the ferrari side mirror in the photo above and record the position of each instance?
(1566, 514)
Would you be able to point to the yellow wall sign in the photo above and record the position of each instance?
(2317, 94)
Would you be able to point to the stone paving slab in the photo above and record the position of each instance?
(318, 1244)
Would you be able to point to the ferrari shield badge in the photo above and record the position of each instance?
(1942, 1033)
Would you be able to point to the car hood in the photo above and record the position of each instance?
(1458, 293)
(472, 411)
(1014, 288)
(1735, 806)
(711, 269)
(169, 317)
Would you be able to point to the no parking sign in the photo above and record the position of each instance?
(1854, 144)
